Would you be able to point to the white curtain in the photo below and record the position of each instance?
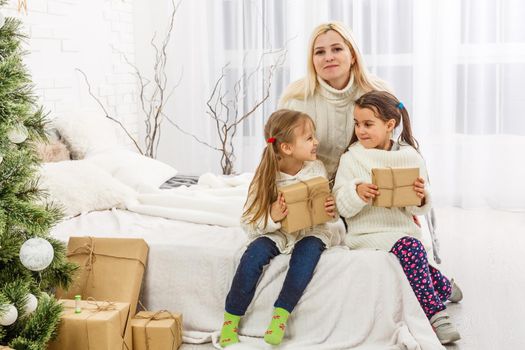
(458, 66)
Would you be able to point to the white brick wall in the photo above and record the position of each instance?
(85, 34)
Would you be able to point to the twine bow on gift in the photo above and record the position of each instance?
(311, 196)
(101, 305)
(157, 316)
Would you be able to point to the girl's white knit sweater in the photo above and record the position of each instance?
(369, 226)
(327, 232)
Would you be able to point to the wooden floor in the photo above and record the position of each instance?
(484, 250)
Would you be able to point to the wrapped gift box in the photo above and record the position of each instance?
(396, 187)
(161, 330)
(305, 201)
(98, 326)
(110, 269)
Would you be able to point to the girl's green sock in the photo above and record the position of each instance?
(275, 332)
(229, 330)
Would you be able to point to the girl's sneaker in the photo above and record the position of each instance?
(456, 294)
(444, 328)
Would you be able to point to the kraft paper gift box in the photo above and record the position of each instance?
(110, 269)
(305, 201)
(98, 326)
(161, 330)
(396, 187)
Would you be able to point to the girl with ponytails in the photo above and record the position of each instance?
(376, 115)
(290, 156)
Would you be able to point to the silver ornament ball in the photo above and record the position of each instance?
(18, 134)
(36, 254)
(31, 304)
(10, 316)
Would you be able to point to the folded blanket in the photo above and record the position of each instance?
(215, 200)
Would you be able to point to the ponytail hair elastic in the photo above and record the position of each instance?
(271, 140)
(400, 105)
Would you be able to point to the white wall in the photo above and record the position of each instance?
(66, 34)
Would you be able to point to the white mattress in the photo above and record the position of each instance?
(362, 297)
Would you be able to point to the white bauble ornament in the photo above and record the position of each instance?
(18, 134)
(36, 254)
(32, 303)
(2, 20)
(10, 316)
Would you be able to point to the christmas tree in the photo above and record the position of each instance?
(32, 264)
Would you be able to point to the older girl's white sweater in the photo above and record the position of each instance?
(369, 226)
(328, 232)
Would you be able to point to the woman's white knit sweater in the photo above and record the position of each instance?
(369, 226)
(333, 113)
(285, 242)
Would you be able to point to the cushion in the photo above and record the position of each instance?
(79, 186)
(139, 172)
(54, 151)
(88, 134)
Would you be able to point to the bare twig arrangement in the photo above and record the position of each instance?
(153, 98)
(223, 109)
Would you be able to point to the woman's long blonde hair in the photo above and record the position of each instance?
(263, 189)
(304, 88)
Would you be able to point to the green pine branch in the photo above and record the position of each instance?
(22, 214)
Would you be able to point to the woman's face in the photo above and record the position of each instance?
(332, 59)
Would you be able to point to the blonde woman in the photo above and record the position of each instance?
(336, 77)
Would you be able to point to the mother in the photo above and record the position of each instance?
(336, 77)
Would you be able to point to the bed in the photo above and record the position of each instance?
(362, 297)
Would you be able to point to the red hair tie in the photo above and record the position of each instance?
(271, 140)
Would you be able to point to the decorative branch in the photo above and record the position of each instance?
(107, 114)
(152, 93)
(225, 113)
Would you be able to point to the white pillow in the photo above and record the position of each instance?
(88, 134)
(79, 186)
(139, 172)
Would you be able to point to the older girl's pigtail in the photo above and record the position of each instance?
(406, 134)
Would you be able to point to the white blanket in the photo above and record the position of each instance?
(356, 300)
(215, 200)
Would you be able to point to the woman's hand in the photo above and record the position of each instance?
(329, 206)
(419, 187)
(367, 192)
(278, 209)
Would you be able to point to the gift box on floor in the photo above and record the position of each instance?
(110, 269)
(98, 325)
(161, 330)
(396, 187)
(305, 201)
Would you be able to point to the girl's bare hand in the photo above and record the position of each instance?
(367, 192)
(329, 206)
(278, 209)
(419, 187)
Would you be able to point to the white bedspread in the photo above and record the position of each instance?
(356, 300)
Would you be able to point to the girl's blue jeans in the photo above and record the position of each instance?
(305, 255)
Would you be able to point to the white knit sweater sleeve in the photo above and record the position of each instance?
(347, 200)
(259, 228)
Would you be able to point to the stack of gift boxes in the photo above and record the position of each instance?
(100, 308)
